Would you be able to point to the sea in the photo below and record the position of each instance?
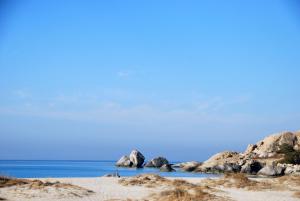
(78, 168)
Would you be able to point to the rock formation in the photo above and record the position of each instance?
(166, 168)
(262, 158)
(124, 161)
(135, 159)
(157, 162)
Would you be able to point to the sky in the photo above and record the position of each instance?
(92, 80)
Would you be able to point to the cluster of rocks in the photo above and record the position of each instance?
(261, 158)
(136, 160)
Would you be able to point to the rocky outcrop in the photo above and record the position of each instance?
(269, 146)
(290, 168)
(167, 168)
(157, 162)
(261, 158)
(124, 161)
(226, 161)
(136, 158)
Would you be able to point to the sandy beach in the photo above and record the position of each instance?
(111, 188)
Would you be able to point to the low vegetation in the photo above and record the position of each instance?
(172, 190)
(237, 180)
(38, 186)
(148, 180)
(291, 156)
(9, 181)
(33, 184)
(210, 189)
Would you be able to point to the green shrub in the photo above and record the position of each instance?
(291, 156)
(285, 148)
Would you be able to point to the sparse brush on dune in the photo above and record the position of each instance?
(237, 180)
(148, 180)
(36, 184)
(175, 190)
(183, 195)
(297, 194)
(6, 181)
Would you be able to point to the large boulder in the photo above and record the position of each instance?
(251, 167)
(157, 162)
(124, 161)
(166, 168)
(271, 170)
(136, 158)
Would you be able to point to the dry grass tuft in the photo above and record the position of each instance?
(179, 194)
(183, 193)
(37, 184)
(297, 194)
(237, 180)
(9, 181)
(148, 180)
(289, 180)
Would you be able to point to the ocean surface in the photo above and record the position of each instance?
(67, 168)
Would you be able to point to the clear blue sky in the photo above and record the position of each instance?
(183, 79)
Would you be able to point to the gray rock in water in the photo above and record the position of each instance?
(136, 158)
(124, 161)
(157, 162)
(271, 170)
(116, 174)
(166, 168)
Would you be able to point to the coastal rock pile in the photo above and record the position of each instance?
(263, 158)
(275, 155)
(136, 159)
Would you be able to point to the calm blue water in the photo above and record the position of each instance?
(43, 168)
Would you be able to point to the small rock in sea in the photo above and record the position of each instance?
(116, 174)
(166, 168)
(157, 162)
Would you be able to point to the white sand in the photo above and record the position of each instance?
(106, 188)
